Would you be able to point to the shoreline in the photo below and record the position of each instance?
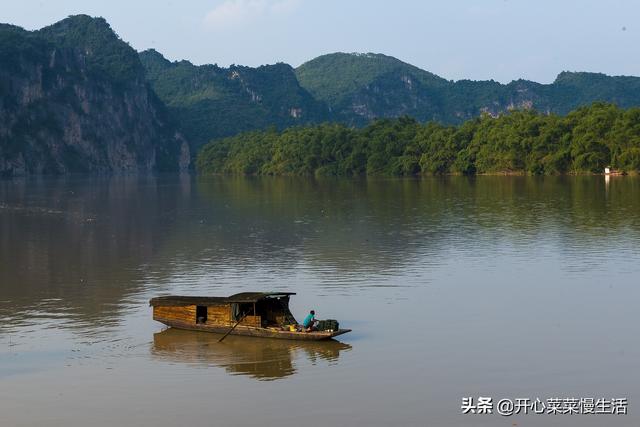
(503, 173)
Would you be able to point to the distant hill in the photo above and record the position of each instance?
(360, 87)
(212, 102)
(332, 78)
(73, 98)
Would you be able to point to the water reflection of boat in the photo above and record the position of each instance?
(266, 359)
(256, 314)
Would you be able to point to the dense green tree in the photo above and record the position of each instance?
(521, 141)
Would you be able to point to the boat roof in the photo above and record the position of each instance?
(242, 297)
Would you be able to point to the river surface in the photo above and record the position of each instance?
(502, 287)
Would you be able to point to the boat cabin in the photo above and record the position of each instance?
(256, 309)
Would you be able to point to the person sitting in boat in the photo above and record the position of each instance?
(309, 322)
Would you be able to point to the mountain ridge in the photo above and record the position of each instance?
(356, 88)
(213, 102)
(448, 101)
(76, 97)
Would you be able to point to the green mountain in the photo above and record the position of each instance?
(331, 78)
(73, 98)
(212, 102)
(361, 87)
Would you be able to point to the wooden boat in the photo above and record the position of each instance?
(257, 314)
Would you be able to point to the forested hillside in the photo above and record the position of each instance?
(212, 102)
(362, 87)
(584, 141)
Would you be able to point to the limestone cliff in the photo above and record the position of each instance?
(73, 98)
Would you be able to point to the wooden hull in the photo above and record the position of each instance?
(253, 331)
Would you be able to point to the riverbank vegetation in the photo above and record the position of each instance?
(525, 141)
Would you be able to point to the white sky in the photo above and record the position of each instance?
(483, 39)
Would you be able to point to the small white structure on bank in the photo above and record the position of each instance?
(607, 170)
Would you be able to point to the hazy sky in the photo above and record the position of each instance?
(482, 39)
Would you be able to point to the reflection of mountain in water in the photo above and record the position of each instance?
(71, 248)
(355, 226)
(78, 250)
(260, 358)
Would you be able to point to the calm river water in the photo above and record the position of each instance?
(502, 287)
